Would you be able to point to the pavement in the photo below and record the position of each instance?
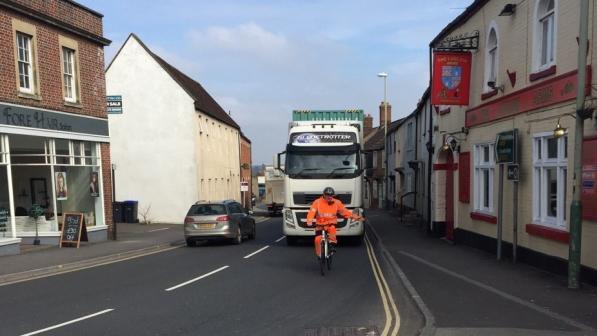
(465, 291)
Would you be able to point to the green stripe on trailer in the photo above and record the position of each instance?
(327, 115)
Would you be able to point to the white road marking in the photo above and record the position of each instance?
(69, 322)
(498, 292)
(385, 293)
(254, 253)
(197, 278)
(278, 240)
(162, 229)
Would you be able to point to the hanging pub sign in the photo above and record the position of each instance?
(451, 78)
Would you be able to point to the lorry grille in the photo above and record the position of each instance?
(307, 199)
(301, 219)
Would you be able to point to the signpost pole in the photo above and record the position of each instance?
(500, 212)
(515, 223)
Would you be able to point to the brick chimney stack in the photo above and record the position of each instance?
(382, 117)
(367, 125)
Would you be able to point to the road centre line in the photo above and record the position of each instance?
(68, 322)
(162, 229)
(278, 240)
(197, 278)
(498, 292)
(384, 291)
(254, 253)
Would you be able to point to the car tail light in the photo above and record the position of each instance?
(223, 218)
(188, 220)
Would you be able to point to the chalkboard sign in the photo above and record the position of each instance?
(3, 220)
(73, 229)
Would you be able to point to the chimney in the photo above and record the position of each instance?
(367, 125)
(382, 118)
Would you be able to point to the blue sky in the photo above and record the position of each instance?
(262, 59)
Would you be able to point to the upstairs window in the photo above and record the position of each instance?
(25, 63)
(70, 87)
(545, 32)
(491, 65)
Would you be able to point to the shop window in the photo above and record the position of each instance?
(550, 172)
(483, 182)
(5, 217)
(545, 34)
(29, 150)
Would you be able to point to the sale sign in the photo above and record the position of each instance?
(451, 78)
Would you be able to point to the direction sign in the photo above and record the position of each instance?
(114, 104)
(506, 145)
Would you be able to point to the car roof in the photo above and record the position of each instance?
(216, 202)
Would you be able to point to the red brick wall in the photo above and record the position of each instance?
(107, 181)
(67, 12)
(91, 64)
(245, 174)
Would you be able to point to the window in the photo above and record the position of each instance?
(69, 80)
(25, 62)
(483, 183)
(545, 31)
(409, 135)
(491, 58)
(550, 170)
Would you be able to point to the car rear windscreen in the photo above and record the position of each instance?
(207, 210)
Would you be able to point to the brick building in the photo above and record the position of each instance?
(245, 170)
(523, 77)
(54, 147)
(374, 148)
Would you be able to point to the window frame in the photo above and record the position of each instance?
(67, 44)
(489, 66)
(479, 167)
(538, 50)
(28, 30)
(540, 166)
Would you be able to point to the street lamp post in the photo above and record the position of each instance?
(385, 157)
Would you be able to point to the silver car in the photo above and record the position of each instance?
(218, 220)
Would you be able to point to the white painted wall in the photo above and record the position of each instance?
(153, 141)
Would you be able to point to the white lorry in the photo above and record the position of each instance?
(274, 190)
(323, 150)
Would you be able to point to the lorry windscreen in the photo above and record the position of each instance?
(322, 164)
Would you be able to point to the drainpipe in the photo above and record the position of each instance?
(574, 253)
(430, 145)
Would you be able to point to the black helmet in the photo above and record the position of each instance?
(329, 191)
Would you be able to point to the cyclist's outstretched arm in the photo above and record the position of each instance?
(312, 213)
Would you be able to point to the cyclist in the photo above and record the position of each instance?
(324, 211)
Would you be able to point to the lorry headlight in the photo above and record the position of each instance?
(288, 218)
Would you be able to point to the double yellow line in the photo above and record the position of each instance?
(392, 315)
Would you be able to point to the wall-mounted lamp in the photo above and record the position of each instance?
(559, 131)
(492, 85)
(451, 143)
(508, 10)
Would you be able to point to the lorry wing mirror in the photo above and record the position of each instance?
(278, 165)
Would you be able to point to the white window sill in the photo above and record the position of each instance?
(40, 234)
(9, 241)
(97, 228)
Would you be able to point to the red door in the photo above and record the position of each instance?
(450, 197)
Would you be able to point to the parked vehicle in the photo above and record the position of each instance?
(218, 220)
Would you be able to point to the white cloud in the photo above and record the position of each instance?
(247, 38)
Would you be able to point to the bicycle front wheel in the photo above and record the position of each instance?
(329, 262)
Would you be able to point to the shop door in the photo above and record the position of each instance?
(450, 197)
(39, 192)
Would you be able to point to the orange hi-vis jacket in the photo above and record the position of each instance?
(325, 213)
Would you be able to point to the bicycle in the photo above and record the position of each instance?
(325, 252)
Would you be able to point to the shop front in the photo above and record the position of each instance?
(50, 165)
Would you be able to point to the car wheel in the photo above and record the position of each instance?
(239, 237)
(190, 242)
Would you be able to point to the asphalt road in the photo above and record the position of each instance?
(212, 289)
